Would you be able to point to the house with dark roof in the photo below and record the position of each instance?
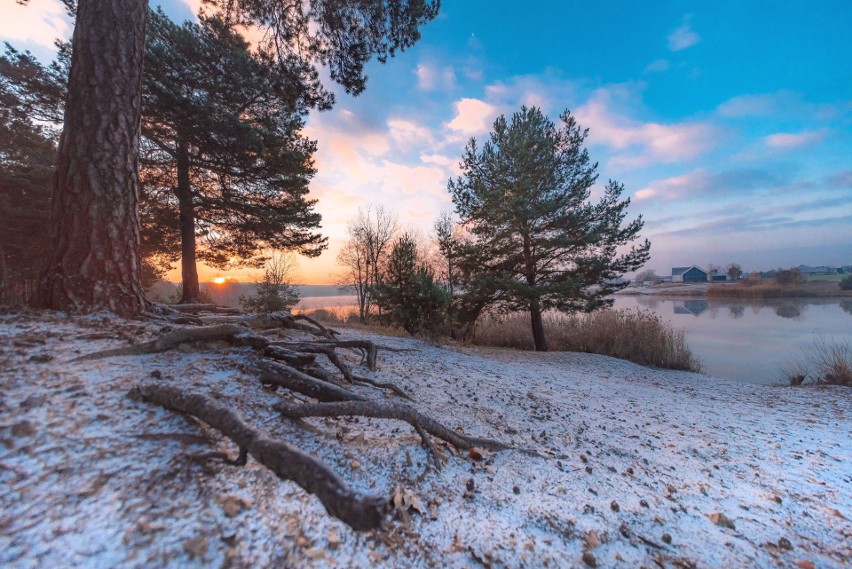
(691, 274)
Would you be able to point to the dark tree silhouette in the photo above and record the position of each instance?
(95, 230)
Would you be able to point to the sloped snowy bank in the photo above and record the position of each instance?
(635, 467)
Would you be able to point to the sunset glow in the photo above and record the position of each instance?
(220, 280)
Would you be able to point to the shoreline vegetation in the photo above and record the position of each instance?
(763, 289)
(638, 336)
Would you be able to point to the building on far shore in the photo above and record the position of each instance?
(691, 274)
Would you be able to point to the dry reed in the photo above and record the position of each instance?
(636, 335)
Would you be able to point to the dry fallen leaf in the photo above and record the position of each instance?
(805, 564)
(591, 539)
(233, 505)
(315, 553)
(195, 547)
(333, 539)
(721, 520)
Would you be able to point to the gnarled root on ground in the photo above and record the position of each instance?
(286, 461)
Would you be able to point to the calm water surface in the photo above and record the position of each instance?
(747, 341)
(750, 340)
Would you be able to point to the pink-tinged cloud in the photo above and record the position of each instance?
(785, 140)
(646, 142)
(675, 187)
(472, 117)
(408, 134)
(40, 22)
(682, 38)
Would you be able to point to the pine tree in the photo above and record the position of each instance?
(97, 211)
(221, 147)
(409, 296)
(537, 242)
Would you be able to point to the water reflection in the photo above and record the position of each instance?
(749, 339)
(691, 306)
(788, 311)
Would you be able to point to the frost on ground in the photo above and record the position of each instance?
(635, 467)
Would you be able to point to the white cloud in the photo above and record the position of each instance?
(659, 66)
(40, 22)
(646, 142)
(683, 37)
(784, 140)
(472, 117)
(431, 77)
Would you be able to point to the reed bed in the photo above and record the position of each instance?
(636, 335)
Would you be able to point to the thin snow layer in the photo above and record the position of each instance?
(620, 465)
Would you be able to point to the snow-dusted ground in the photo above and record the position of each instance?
(639, 467)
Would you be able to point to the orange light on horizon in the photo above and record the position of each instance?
(220, 280)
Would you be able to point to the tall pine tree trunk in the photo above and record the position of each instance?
(189, 271)
(537, 325)
(94, 263)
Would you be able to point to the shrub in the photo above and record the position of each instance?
(823, 363)
(274, 293)
(846, 283)
(637, 335)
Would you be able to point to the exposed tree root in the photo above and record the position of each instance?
(195, 308)
(370, 349)
(231, 333)
(390, 410)
(282, 375)
(381, 385)
(327, 332)
(286, 461)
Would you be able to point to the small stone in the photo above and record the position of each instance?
(644, 503)
(233, 505)
(671, 489)
(583, 458)
(589, 559)
(588, 470)
(157, 374)
(629, 471)
(667, 538)
(785, 544)
(516, 490)
(470, 485)
(778, 499)
(615, 507)
(355, 464)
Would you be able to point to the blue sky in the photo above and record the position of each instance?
(730, 124)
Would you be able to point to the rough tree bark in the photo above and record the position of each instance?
(94, 263)
(189, 271)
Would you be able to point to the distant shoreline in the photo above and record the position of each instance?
(741, 290)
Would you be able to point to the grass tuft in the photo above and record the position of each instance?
(823, 363)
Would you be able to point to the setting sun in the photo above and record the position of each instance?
(220, 280)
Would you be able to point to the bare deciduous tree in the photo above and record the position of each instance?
(365, 252)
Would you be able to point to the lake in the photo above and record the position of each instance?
(745, 340)
(750, 340)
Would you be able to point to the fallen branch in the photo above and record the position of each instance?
(390, 410)
(227, 332)
(327, 332)
(286, 461)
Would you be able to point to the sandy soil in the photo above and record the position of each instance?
(636, 467)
